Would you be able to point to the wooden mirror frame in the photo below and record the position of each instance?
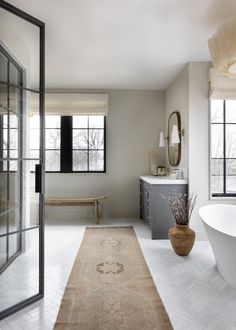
(177, 151)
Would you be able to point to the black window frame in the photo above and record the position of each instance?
(66, 149)
(224, 194)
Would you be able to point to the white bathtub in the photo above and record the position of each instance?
(220, 223)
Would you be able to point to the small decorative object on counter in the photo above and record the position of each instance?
(162, 171)
(153, 161)
(175, 173)
(181, 236)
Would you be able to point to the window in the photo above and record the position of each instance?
(88, 143)
(223, 148)
(52, 141)
(72, 143)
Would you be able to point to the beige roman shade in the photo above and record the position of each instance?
(68, 104)
(222, 87)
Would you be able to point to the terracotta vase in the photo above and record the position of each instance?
(182, 239)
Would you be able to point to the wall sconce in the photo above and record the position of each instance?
(162, 140)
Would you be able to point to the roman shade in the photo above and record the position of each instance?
(222, 87)
(68, 104)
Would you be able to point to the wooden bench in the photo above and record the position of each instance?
(77, 202)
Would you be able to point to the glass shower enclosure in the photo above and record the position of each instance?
(21, 170)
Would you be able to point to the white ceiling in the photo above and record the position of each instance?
(125, 44)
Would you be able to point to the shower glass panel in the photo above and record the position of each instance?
(21, 173)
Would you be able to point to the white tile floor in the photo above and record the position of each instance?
(195, 295)
(21, 277)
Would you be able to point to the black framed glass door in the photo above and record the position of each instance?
(10, 166)
(21, 171)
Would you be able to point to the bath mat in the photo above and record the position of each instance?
(110, 286)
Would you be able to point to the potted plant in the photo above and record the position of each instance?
(181, 236)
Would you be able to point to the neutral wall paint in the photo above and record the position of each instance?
(190, 89)
(189, 94)
(177, 99)
(199, 140)
(133, 125)
(21, 39)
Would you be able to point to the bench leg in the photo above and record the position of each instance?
(96, 206)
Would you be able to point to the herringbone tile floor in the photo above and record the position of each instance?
(195, 295)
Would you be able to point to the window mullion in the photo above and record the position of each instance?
(104, 145)
(66, 144)
(88, 146)
(224, 149)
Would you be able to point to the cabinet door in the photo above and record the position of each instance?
(141, 198)
(146, 202)
(161, 216)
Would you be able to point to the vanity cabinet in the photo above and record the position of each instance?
(144, 201)
(154, 209)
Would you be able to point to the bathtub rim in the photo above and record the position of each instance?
(200, 210)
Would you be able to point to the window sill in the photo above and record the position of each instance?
(222, 198)
(77, 172)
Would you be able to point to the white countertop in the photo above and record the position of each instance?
(162, 180)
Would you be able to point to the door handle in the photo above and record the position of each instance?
(38, 178)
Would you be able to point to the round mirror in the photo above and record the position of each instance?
(174, 138)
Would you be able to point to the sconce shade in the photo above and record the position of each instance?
(222, 47)
(175, 135)
(162, 140)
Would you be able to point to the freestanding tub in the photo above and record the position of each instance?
(220, 223)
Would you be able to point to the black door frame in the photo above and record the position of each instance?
(21, 77)
(21, 14)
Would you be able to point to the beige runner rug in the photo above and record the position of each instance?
(110, 286)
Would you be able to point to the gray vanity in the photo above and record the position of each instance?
(154, 210)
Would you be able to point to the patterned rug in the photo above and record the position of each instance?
(110, 286)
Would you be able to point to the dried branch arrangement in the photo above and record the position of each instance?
(181, 206)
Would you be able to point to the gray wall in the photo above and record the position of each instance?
(199, 142)
(199, 139)
(189, 92)
(177, 99)
(22, 40)
(133, 125)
